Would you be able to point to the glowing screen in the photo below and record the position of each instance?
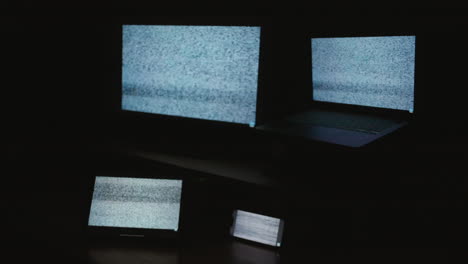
(136, 203)
(367, 71)
(258, 228)
(204, 72)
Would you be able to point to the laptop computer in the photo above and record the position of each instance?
(362, 90)
(135, 207)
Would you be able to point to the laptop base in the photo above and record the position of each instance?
(324, 126)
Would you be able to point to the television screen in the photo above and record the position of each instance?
(366, 71)
(203, 72)
(136, 203)
(259, 228)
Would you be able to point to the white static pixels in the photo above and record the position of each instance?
(139, 181)
(136, 203)
(205, 72)
(368, 71)
(255, 227)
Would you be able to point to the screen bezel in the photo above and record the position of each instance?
(132, 232)
(369, 110)
(247, 21)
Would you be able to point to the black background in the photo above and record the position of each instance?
(60, 80)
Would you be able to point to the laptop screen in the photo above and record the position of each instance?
(365, 71)
(136, 203)
(203, 72)
(259, 228)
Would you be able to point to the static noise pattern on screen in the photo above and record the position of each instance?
(256, 227)
(366, 71)
(203, 72)
(136, 203)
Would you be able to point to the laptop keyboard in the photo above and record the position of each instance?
(347, 121)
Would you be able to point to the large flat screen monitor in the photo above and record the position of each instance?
(365, 71)
(202, 72)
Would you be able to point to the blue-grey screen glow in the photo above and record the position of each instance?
(136, 203)
(256, 227)
(204, 72)
(367, 71)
